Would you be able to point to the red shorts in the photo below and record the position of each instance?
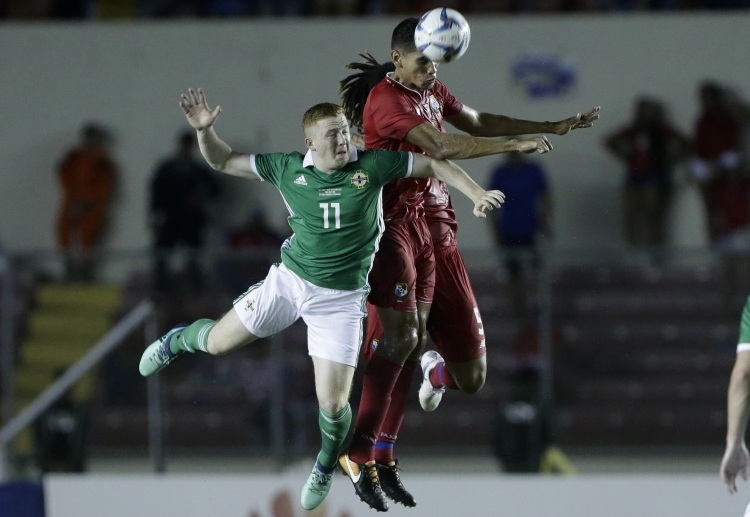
(455, 324)
(403, 272)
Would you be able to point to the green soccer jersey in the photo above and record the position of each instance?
(337, 218)
(744, 341)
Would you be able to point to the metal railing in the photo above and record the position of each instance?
(142, 314)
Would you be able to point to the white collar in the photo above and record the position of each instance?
(308, 161)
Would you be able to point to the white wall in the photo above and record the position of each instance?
(445, 496)
(265, 73)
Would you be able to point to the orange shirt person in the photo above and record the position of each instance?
(87, 181)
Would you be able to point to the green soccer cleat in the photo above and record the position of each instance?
(316, 488)
(158, 354)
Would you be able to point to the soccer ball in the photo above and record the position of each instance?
(442, 35)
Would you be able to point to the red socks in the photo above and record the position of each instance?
(394, 417)
(378, 384)
(441, 378)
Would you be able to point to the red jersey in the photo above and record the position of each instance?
(643, 159)
(391, 111)
(715, 134)
(439, 214)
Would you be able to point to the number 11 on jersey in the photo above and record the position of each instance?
(327, 209)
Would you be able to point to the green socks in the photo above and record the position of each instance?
(192, 338)
(333, 431)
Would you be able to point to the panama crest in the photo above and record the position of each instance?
(401, 289)
(434, 104)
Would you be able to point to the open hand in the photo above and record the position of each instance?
(578, 121)
(196, 110)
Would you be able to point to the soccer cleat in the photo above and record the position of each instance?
(366, 482)
(158, 354)
(316, 488)
(429, 397)
(390, 481)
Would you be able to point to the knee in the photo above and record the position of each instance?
(419, 347)
(472, 385)
(400, 340)
(215, 346)
(472, 380)
(407, 335)
(334, 404)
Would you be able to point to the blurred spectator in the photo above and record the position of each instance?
(720, 170)
(522, 220)
(250, 246)
(649, 146)
(87, 176)
(715, 166)
(254, 232)
(181, 188)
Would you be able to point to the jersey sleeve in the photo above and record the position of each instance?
(270, 167)
(392, 116)
(743, 344)
(387, 166)
(451, 105)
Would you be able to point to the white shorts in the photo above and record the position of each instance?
(334, 319)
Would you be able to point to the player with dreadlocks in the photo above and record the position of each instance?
(401, 105)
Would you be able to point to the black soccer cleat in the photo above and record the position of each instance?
(390, 481)
(365, 481)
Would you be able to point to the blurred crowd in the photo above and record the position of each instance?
(137, 9)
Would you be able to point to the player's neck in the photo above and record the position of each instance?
(324, 168)
(402, 82)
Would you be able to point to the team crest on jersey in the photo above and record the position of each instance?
(250, 305)
(359, 180)
(374, 344)
(401, 289)
(434, 104)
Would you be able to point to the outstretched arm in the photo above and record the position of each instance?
(453, 146)
(490, 125)
(455, 176)
(735, 460)
(216, 151)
